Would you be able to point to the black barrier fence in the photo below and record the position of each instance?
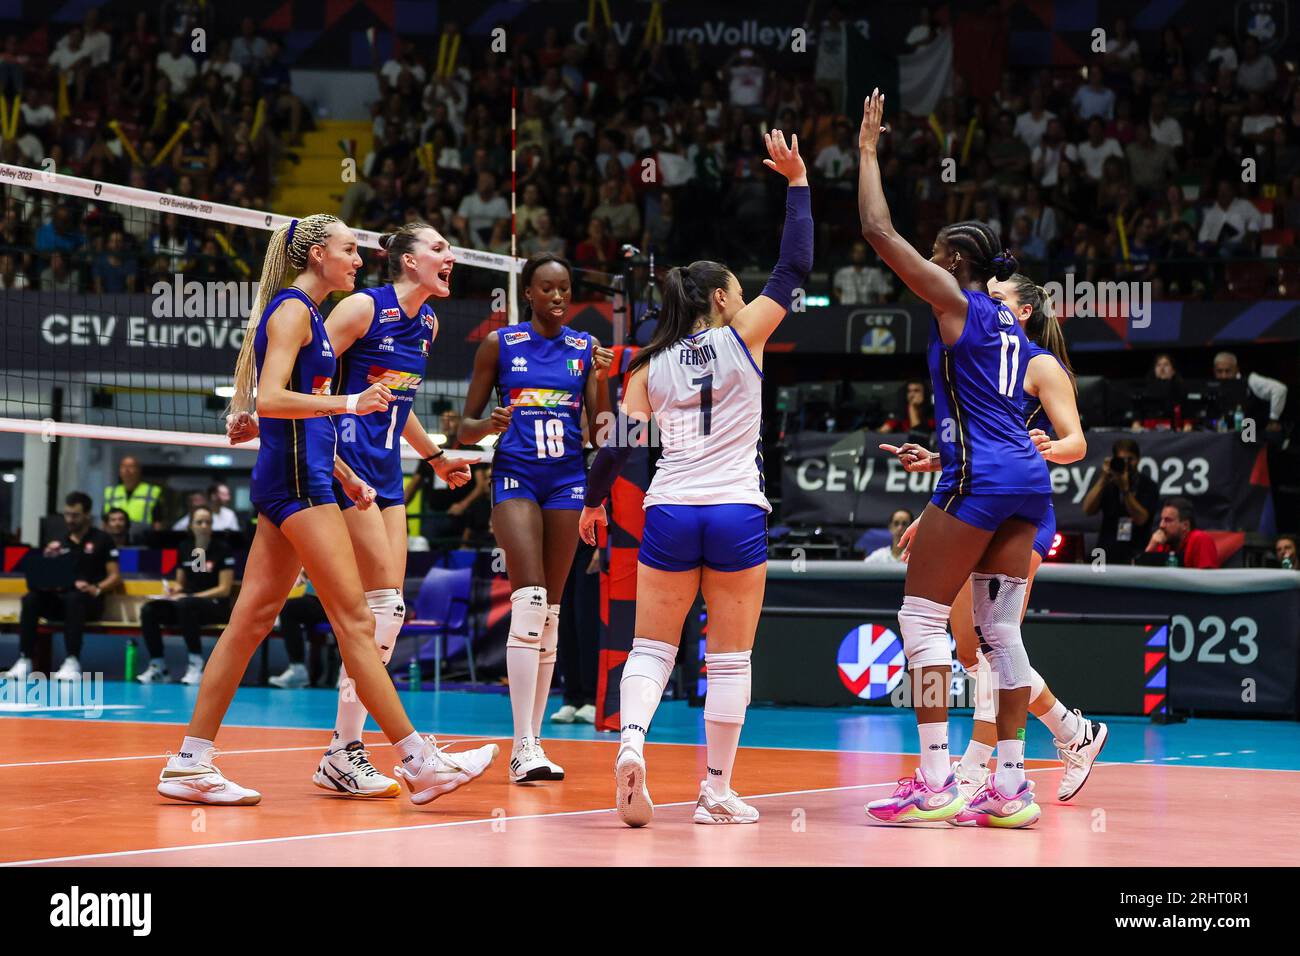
(1230, 639)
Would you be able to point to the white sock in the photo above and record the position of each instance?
(645, 675)
(722, 739)
(521, 671)
(976, 757)
(1011, 766)
(192, 752)
(411, 751)
(934, 753)
(350, 721)
(1063, 724)
(725, 702)
(546, 666)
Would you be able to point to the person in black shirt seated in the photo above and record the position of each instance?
(1162, 396)
(205, 575)
(96, 572)
(1128, 502)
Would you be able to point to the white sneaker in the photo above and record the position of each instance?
(294, 676)
(194, 672)
(631, 796)
(443, 772)
(557, 772)
(528, 762)
(203, 783)
(155, 673)
(586, 714)
(21, 670)
(564, 715)
(711, 808)
(350, 772)
(968, 784)
(70, 669)
(1078, 756)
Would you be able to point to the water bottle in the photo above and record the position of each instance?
(129, 668)
(1237, 418)
(413, 676)
(1288, 564)
(1172, 560)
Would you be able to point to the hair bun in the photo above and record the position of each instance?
(385, 240)
(1005, 266)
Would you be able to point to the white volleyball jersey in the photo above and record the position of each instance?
(707, 396)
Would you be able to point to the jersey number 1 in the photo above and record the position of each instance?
(550, 438)
(706, 402)
(1007, 370)
(388, 439)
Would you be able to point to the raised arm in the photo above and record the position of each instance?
(927, 279)
(288, 329)
(758, 320)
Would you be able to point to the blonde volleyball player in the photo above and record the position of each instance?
(706, 514)
(1078, 740)
(288, 362)
(382, 335)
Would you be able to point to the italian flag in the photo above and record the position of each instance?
(575, 366)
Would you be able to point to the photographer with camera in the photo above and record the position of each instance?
(1127, 500)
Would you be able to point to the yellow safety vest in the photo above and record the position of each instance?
(139, 505)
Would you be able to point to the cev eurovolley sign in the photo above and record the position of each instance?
(870, 661)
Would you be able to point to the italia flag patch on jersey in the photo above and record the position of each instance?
(575, 366)
(871, 661)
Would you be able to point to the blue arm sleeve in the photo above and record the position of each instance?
(796, 258)
(609, 461)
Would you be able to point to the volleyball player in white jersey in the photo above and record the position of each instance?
(706, 514)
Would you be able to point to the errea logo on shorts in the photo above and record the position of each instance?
(519, 364)
(579, 492)
(76, 909)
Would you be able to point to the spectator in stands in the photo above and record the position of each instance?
(1285, 551)
(917, 414)
(115, 268)
(1047, 156)
(200, 595)
(1151, 164)
(1222, 54)
(1164, 129)
(892, 553)
(10, 276)
(1094, 100)
(60, 233)
(1177, 542)
(1257, 73)
(95, 572)
(860, 283)
(623, 217)
(217, 501)
(300, 619)
(480, 209)
(177, 65)
(1264, 390)
(58, 276)
(1128, 501)
(117, 525)
(1096, 149)
(136, 497)
(1231, 225)
(248, 49)
(597, 251)
(1032, 124)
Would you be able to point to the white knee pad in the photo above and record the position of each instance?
(652, 660)
(527, 618)
(924, 625)
(1036, 685)
(997, 600)
(986, 697)
(389, 609)
(728, 693)
(550, 634)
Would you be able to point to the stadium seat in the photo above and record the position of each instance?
(1247, 280)
(442, 611)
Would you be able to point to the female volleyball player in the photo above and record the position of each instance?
(381, 335)
(706, 513)
(1078, 739)
(542, 373)
(987, 504)
(288, 353)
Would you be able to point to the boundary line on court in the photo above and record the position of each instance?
(447, 824)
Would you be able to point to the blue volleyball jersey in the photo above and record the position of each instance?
(544, 381)
(1035, 416)
(978, 382)
(394, 350)
(296, 457)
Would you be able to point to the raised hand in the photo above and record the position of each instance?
(873, 112)
(785, 159)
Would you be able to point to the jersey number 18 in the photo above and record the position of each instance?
(550, 438)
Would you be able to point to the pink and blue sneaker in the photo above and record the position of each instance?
(989, 808)
(914, 802)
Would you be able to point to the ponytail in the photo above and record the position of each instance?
(289, 246)
(687, 293)
(1043, 328)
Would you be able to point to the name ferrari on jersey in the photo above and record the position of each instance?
(701, 355)
(395, 381)
(543, 398)
(513, 338)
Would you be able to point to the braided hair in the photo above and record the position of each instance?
(290, 244)
(688, 293)
(979, 246)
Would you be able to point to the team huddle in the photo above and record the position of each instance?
(331, 399)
